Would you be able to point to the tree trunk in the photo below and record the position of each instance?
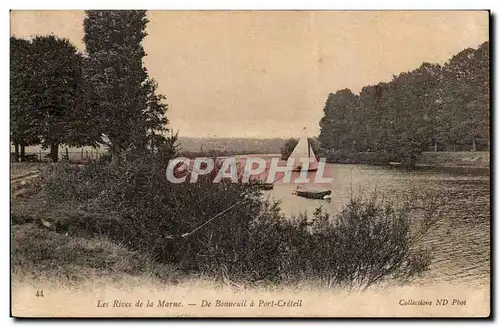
(16, 152)
(473, 144)
(54, 152)
(23, 157)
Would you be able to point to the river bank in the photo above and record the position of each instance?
(463, 160)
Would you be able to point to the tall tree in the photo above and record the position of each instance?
(152, 127)
(482, 89)
(466, 101)
(409, 111)
(129, 112)
(338, 126)
(23, 119)
(370, 116)
(56, 92)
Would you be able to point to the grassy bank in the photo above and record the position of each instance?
(464, 159)
(44, 254)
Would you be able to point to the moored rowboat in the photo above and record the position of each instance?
(313, 194)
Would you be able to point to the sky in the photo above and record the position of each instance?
(267, 74)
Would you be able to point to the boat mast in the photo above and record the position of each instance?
(308, 145)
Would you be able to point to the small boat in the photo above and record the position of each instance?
(313, 194)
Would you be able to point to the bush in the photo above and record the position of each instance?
(370, 242)
(134, 205)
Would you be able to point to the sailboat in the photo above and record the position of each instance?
(302, 152)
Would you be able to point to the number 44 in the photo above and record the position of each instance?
(39, 293)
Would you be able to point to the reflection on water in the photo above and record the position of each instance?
(460, 242)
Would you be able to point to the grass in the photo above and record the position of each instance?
(46, 254)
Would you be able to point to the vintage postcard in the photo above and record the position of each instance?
(292, 163)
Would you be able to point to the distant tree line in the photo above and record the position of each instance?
(231, 144)
(103, 96)
(428, 109)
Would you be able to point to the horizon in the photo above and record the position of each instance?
(230, 74)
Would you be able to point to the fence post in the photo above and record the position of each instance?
(82, 154)
(67, 154)
(41, 159)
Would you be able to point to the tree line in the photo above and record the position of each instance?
(431, 108)
(102, 96)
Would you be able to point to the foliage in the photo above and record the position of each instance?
(370, 241)
(465, 100)
(23, 119)
(431, 106)
(62, 97)
(124, 100)
(338, 124)
(58, 97)
(47, 101)
(288, 147)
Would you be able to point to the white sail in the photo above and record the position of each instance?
(313, 162)
(303, 151)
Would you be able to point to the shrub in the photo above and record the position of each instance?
(370, 242)
(136, 205)
(75, 183)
